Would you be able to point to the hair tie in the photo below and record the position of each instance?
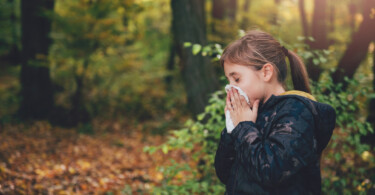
(285, 50)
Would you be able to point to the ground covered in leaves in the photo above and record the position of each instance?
(37, 158)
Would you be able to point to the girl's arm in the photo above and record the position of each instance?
(289, 146)
(224, 157)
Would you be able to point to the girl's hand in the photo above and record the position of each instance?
(239, 109)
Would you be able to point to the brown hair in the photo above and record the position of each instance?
(257, 48)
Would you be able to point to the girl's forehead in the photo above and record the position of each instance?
(231, 68)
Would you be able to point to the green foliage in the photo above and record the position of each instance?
(118, 52)
(9, 86)
(318, 57)
(85, 128)
(10, 31)
(212, 50)
(349, 164)
(86, 36)
(196, 133)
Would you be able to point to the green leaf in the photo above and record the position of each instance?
(241, 33)
(315, 61)
(196, 48)
(201, 116)
(165, 149)
(300, 38)
(187, 44)
(337, 156)
(326, 51)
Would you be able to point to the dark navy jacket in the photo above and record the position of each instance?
(280, 153)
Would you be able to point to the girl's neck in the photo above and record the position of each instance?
(277, 90)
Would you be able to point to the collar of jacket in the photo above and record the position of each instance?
(275, 98)
(300, 93)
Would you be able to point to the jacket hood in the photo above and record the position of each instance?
(324, 114)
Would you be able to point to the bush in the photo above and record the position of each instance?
(347, 164)
(200, 139)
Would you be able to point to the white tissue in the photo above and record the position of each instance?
(228, 120)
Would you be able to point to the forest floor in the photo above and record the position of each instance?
(37, 158)
(105, 157)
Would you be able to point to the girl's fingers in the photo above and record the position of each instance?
(232, 103)
(243, 101)
(237, 99)
(228, 104)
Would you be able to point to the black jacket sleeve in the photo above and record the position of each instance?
(224, 157)
(283, 150)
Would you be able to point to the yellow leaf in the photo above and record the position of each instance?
(159, 176)
(120, 10)
(366, 155)
(71, 170)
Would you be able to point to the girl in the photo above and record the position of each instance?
(278, 139)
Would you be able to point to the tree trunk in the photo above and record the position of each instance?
(36, 87)
(352, 11)
(223, 19)
(319, 33)
(222, 9)
(199, 78)
(170, 67)
(246, 6)
(14, 54)
(305, 25)
(319, 25)
(231, 9)
(170, 63)
(79, 113)
(332, 13)
(358, 47)
(370, 138)
(275, 14)
(218, 9)
(244, 19)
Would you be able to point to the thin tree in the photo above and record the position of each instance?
(318, 31)
(370, 138)
(189, 25)
(358, 47)
(223, 20)
(36, 86)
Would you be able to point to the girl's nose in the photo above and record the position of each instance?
(233, 84)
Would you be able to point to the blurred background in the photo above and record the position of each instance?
(127, 96)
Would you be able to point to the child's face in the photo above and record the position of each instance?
(246, 78)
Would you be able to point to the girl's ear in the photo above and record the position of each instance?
(267, 72)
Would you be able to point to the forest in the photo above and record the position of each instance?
(127, 96)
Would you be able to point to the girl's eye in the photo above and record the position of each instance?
(237, 80)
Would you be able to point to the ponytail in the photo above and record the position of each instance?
(299, 74)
